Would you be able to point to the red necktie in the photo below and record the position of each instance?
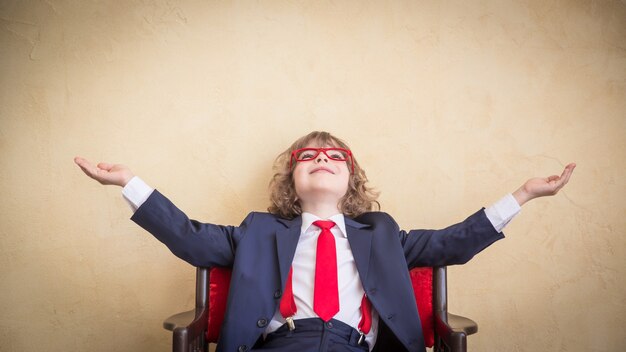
(326, 291)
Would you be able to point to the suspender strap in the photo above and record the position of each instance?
(366, 315)
(288, 304)
(288, 308)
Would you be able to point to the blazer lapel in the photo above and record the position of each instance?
(286, 243)
(360, 239)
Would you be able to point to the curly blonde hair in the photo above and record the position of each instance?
(359, 198)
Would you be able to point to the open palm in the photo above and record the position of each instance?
(105, 173)
(543, 186)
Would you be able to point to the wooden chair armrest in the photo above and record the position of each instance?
(189, 330)
(179, 320)
(459, 323)
(453, 331)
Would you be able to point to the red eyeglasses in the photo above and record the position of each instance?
(307, 154)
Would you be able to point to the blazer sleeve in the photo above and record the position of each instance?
(199, 244)
(456, 244)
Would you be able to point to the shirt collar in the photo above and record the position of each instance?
(308, 219)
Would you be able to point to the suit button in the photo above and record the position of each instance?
(390, 316)
(243, 348)
(278, 293)
(261, 323)
(329, 325)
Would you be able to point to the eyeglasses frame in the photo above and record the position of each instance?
(321, 150)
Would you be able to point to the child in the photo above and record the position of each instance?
(321, 271)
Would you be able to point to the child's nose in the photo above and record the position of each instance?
(320, 158)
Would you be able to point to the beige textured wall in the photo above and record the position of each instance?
(447, 104)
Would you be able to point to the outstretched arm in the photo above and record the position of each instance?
(458, 243)
(541, 187)
(105, 173)
(200, 244)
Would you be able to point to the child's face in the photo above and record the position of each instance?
(321, 179)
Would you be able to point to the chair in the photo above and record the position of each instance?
(195, 329)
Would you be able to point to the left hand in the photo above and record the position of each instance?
(541, 187)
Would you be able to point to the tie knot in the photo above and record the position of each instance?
(324, 224)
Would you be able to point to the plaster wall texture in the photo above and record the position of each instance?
(447, 104)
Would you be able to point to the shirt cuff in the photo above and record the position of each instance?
(502, 212)
(136, 192)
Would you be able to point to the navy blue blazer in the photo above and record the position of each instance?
(261, 249)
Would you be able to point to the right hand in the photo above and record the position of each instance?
(105, 173)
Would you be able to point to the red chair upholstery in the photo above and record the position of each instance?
(194, 330)
(219, 282)
(422, 281)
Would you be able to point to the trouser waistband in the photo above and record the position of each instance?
(334, 326)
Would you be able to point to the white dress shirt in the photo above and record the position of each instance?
(348, 280)
(350, 288)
